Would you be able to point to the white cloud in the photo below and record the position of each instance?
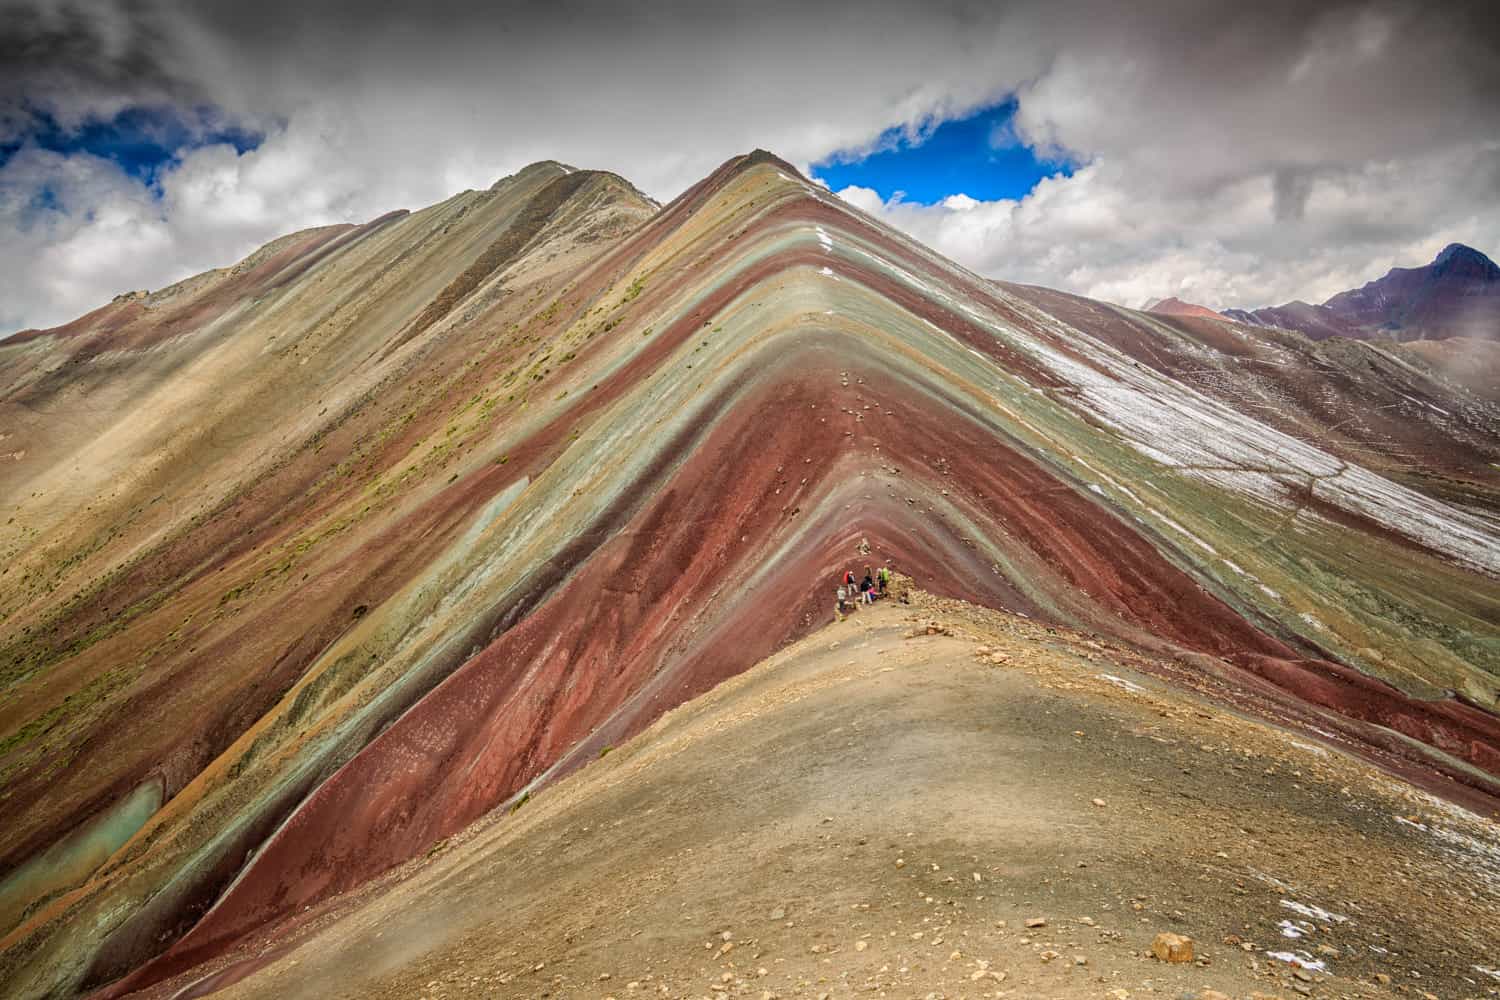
(1239, 154)
(1109, 231)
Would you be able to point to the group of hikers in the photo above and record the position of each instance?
(865, 591)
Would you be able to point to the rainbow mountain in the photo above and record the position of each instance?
(313, 561)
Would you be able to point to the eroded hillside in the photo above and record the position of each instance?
(312, 562)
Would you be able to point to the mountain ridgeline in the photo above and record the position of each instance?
(311, 562)
(1457, 295)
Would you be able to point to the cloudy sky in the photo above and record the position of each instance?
(1229, 153)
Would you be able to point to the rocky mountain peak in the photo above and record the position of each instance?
(1457, 260)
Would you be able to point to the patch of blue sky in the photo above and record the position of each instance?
(140, 140)
(978, 155)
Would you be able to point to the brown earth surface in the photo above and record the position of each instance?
(312, 562)
(877, 811)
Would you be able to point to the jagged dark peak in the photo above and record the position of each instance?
(1456, 258)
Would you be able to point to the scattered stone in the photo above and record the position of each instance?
(1382, 979)
(779, 913)
(1036, 921)
(1048, 955)
(1174, 948)
(861, 945)
(1099, 802)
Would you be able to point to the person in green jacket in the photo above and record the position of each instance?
(885, 579)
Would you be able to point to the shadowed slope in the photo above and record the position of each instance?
(617, 470)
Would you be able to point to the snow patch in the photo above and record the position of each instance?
(1182, 428)
(1480, 857)
(1121, 682)
(1301, 958)
(1312, 620)
(1314, 912)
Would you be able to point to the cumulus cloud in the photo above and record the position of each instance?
(1110, 231)
(1242, 156)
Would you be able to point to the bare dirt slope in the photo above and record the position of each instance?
(872, 812)
(312, 562)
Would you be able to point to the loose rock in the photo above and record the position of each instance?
(1175, 948)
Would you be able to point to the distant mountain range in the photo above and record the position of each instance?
(1457, 295)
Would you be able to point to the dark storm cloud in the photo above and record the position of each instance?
(1223, 146)
(76, 61)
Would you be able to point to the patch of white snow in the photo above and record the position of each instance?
(1314, 912)
(1301, 959)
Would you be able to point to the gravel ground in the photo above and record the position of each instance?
(879, 811)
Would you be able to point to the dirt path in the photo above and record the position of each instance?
(873, 814)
